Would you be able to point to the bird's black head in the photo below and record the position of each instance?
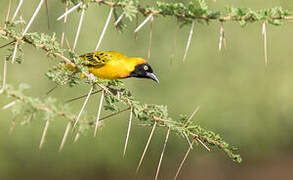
(144, 71)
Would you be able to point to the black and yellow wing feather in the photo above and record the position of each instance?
(100, 58)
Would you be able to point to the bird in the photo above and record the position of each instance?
(115, 65)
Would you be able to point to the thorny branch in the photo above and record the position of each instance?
(184, 128)
(154, 11)
(173, 125)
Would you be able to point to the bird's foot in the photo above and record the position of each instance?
(92, 78)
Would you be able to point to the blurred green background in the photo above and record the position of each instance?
(249, 104)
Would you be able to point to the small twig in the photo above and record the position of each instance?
(44, 134)
(189, 40)
(69, 11)
(99, 111)
(77, 98)
(182, 162)
(166, 121)
(264, 33)
(52, 89)
(105, 89)
(162, 154)
(83, 106)
(143, 23)
(146, 146)
(105, 28)
(151, 37)
(113, 114)
(33, 17)
(7, 44)
(128, 131)
(17, 10)
(9, 105)
(79, 27)
(65, 136)
(119, 19)
(222, 36)
(4, 76)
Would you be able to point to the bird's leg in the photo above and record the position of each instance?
(92, 78)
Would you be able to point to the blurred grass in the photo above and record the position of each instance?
(249, 104)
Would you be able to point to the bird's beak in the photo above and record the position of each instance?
(153, 77)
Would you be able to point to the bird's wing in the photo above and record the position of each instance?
(101, 58)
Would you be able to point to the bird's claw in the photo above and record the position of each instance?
(92, 78)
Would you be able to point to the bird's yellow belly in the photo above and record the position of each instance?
(109, 72)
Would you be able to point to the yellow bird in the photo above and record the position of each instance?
(114, 65)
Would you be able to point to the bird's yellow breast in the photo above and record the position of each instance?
(116, 68)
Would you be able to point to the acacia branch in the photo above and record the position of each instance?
(184, 15)
(179, 127)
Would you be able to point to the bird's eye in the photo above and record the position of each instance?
(146, 68)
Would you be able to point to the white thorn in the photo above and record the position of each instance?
(44, 134)
(69, 11)
(17, 10)
(203, 144)
(222, 36)
(78, 28)
(33, 17)
(264, 33)
(146, 146)
(76, 137)
(151, 37)
(4, 77)
(189, 40)
(182, 162)
(105, 28)
(83, 106)
(190, 144)
(9, 105)
(119, 19)
(65, 136)
(162, 154)
(143, 23)
(128, 131)
(14, 52)
(193, 114)
(99, 112)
